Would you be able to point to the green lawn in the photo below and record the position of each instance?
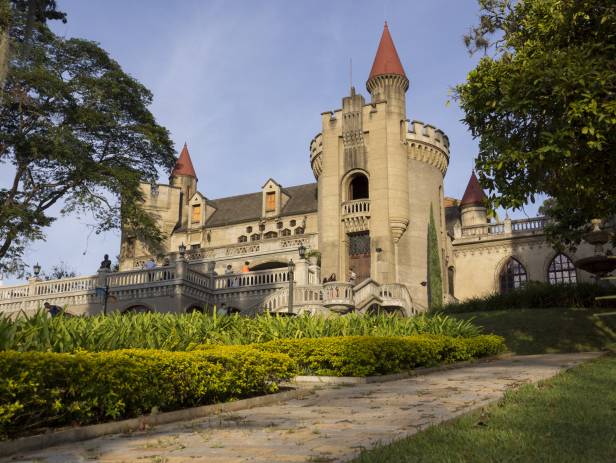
(537, 331)
(569, 418)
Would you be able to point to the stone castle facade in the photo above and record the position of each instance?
(364, 225)
(378, 179)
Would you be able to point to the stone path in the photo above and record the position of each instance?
(334, 424)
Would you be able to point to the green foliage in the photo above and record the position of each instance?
(435, 281)
(76, 131)
(40, 390)
(183, 332)
(536, 295)
(542, 104)
(371, 355)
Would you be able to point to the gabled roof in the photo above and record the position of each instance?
(248, 207)
(386, 60)
(473, 195)
(184, 165)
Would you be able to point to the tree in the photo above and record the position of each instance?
(542, 102)
(76, 131)
(435, 280)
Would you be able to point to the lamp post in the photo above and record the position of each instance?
(37, 269)
(291, 278)
(182, 250)
(302, 251)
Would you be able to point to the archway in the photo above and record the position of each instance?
(268, 265)
(137, 308)
(358, 187)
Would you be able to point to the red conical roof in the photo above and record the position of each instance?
(386, 60)
(184, 165)
(473, 195)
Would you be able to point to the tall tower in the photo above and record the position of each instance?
(377, 181)
(184, 177)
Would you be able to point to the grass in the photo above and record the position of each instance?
(539, 331)
(569, 418)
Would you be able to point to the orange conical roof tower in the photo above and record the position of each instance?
(184, 165)
(386, 60)
(473, 195)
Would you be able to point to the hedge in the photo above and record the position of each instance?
(537, 295)
(366, 356)
(44, 389)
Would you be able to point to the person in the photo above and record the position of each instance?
(332, 277)
(245, 267)
(229, 272)
(53, 310)
(106, 263)
(352, 276)
(150, 264)
(222, 310)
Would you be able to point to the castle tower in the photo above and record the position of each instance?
(473, 204)
(184, 177)
(377, 181)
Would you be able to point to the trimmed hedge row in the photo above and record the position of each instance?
(366, 356)
(538, 295)
(40, 389)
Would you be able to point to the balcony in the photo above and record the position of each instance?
(356, 215)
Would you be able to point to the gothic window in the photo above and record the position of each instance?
(292, 222)
(248, 229)
(285, 232)
(261, 226)
(561, 270)
(279, 225)
(512, 276)
(299, 231)
(271, 234)
(242, 239)
(270, 201)
(196, 213)
(255, 237)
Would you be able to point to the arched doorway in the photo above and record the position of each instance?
(137, 308)
(358, 187)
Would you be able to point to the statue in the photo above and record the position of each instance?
(106, 263)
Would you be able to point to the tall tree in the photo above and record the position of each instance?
(435, 279)
(76, 131)
(542, 102)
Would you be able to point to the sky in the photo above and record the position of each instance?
(244, 84)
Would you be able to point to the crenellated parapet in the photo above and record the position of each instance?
(428, 144)
(316, 155)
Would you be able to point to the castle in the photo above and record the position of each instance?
(364, 226)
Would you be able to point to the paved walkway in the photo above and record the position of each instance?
(334, 424)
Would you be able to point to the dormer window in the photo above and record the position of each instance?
(248, 229)
(255, 237)
(196, 213)
(270, 201)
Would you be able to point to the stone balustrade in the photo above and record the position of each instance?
(508, 226)
(181, 286)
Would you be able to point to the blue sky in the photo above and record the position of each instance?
(244, 83)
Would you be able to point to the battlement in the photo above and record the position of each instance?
(316, 160)
(426, 133)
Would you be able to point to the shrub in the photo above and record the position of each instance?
(50, 389)
(535, 295)
(365, 356)
(183, 332)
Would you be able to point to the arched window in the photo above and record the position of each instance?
(271, 234)
(255, 237)
(561, 270)
(512, 276)
(358, 188)
(299, 231)
(242, 239)
(286, 232)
